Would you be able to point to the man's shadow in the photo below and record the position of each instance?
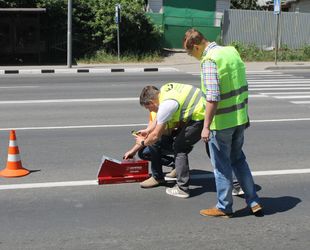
(272, 205)
(204, 183)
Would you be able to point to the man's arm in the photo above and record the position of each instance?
(212, 85)
(209, 114)
(132, 152)
(153, 137)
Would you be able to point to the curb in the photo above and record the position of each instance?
(84, 70)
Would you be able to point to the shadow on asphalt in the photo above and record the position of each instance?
(272, 206)
(200, 186)
(33, 171)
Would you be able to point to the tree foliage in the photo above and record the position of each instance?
(94, 26)
(245, 4)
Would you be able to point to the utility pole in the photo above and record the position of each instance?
(69, 35)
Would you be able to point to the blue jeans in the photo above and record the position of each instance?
(227, 157)
(156, 152)
(166, 160)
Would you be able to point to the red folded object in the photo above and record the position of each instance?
(112, 171)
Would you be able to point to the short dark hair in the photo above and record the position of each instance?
(148, 93)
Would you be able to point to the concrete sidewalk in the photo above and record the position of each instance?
(175, 62)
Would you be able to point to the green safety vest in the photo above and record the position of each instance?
(232, 109)
(190, 99)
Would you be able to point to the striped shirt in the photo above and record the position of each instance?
(210, 77)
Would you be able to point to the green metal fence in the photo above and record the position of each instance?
(174, 28)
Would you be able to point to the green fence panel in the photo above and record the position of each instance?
(179, 21)
(173, 35)
(181, 15)
(178, 7)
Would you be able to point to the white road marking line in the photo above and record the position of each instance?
(267, 72)
(76, 127)
(49, 184)
(133, 125)
(286, 93)
(293, 80)
(125, 99)
(71, 100)
(259, 96)
(18, 87)
(95, 182)
(296, 88)
(301, 102)
(281, 172)
(292, 97)
(280, 85)
(281, 120)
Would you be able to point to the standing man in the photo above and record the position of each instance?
(180, 113)
(224, 84)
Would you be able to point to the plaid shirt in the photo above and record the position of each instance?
(210, 76)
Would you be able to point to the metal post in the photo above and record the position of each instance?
(69, 35)
(118, 43)
(118, 20)
(277, 40)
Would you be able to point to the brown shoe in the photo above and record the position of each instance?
(257, 209)
(151, 182)
(215, 212)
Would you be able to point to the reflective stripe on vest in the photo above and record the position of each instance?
(190, 100)
(232, 108)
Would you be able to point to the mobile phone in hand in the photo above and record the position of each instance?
(134, 132)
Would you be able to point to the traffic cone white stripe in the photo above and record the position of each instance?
(14, 158)
(13, 143)
(14, 166)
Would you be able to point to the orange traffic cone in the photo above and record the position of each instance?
(14, 166)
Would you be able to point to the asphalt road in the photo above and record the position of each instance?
(65, 123)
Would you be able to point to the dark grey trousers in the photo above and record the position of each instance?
(183, 145)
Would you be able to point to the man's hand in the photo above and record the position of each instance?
(205, 134)
(129, 155)
(139, 139)
(143, 132)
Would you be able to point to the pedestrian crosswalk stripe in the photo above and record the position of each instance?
(286, 93)
(292, 97)
(300, 102)
(290, 88)
(279, 85)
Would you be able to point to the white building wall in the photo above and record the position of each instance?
(301, 6)
(221, 6)
(155, 6)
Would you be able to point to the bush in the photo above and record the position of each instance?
(253, 53)
(137, 33)
(306, 51)
(94, 27)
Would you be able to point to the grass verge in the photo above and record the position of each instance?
(104, 57)
(250, 53)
